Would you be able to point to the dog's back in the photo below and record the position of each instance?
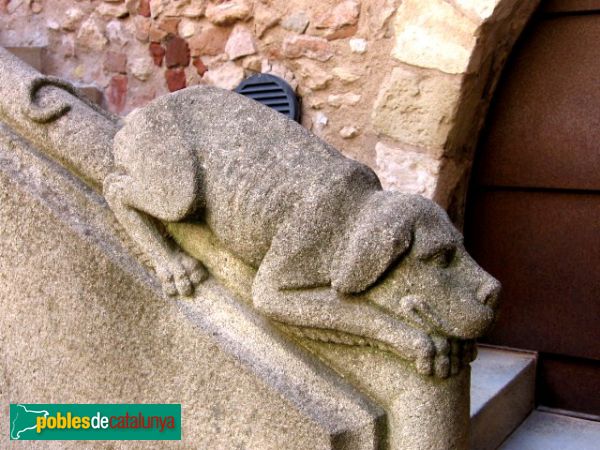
(245, 165)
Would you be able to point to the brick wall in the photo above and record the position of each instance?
(402, 86)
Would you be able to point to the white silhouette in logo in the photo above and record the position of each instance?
(18, 433)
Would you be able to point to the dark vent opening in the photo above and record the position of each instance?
(273, 92)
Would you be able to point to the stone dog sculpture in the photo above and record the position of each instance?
(334, 253)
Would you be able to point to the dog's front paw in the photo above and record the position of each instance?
(180, 274)
(449, 356)
(433, 356)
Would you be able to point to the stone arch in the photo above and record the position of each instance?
(450, 54)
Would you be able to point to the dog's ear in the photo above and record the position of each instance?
(374, 242)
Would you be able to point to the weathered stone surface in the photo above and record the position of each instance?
(227, 76)
(157, 52)
(91, 35)
(406, 170)
(240, 43)
(169, 24)
(116, 34)
(482, 9)
(175, 78)
(227, 12)
(142, 28)
(199, 65)
(141, 67)
(210, 41)
(157, 7)
(252, 63)
(434, 34)
(115, 62)
(177, 52)
(264, 19)
(349, 132)
(347, 99)
(112, 10)
(143, 8)
(71, 19)
(309, 46)
(281, 70)
(183, 8)
(417, 108)
(187, 28)
(296, 22)
(358, 45)
(156, 34)
(36, 6)
(116, 93)
(346, 74)
(378, 14)
(342, 15)
(314, 77)
(195, 9)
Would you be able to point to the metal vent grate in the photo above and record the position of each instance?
(271, 91)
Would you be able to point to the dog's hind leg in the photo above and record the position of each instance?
(178, 272)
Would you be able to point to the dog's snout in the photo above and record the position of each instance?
(489, 293)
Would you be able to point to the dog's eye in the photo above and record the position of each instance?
(444, 257)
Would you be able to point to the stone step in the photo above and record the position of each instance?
(546, 430)
(502, 394)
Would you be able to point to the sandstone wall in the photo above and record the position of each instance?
(400, 85)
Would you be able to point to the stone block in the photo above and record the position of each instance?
(210, 41)
(264, 19)
(141, 67)
(309, 46)
(226, 76)
(347, 99)
(228, 12)
(187, 27)
(417, 108)
(297, 22)
(342, 15)
(113, 10)
(240, 43)
(434, 34)
(406, 170)
(91, 35)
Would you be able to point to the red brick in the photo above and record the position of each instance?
(175, 79)
(200, 67)
(178, 52)
(116, 93)
(157, 52)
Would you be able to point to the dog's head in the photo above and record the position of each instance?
(403, 254)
